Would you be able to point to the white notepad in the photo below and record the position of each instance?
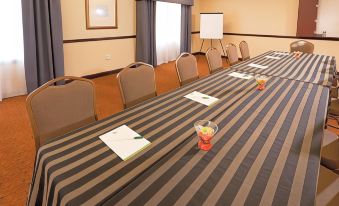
(122, 141)
(258, 66)
(272, 57)
(202, 98)
(240, 75)
(282, 53)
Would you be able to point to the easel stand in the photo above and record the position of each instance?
(203, 41)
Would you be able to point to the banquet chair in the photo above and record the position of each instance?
(136, 83)
(56, 109)
(245, 53)
(214, 60)
(334, 89)
(302, 46)
(232, 54)
(330, 156)
(333, 111)
(187, 68)
(329, 137)
(327, 190)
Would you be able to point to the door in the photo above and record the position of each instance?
(307, 17)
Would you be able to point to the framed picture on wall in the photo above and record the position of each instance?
(101, 14)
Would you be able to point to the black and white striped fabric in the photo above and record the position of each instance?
(312, 68)
(79, 168)
(266, 152)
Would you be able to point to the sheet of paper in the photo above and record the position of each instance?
(124, 142)
(202, 98)
(272, 57)
(240, 75)
(282, 53)
(258, 66)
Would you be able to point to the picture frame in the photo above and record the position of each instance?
(101, 14)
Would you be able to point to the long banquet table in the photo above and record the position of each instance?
(311, 68)
(267, 150)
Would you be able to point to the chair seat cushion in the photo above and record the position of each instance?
(334, 92)
(329, 137)
(334, 107)
(330, 156)
(327, 192)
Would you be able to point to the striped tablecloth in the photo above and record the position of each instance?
(267, 149)
(312, 68)
(266, 152)
(79, 168)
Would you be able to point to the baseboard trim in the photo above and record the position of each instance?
(102, 74)
(111, 72)
(198, 53)
(203, 53)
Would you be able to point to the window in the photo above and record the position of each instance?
(12, 73)
(168, 28)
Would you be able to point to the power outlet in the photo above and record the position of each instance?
(108, 57)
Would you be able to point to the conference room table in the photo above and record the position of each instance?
(267, 150)
(312, 68)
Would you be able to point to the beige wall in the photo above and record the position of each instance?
(196, 16)
(278, 17)
(90, 57)
(275, 17)
(241, 16)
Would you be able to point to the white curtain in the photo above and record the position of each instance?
(12, 73)
(168, 28)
